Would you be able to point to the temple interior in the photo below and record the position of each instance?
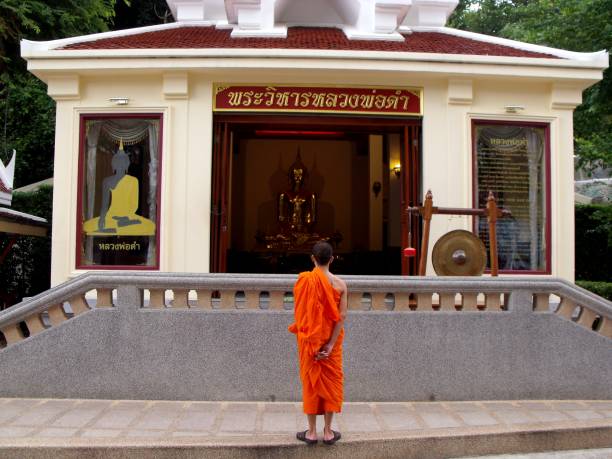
(290, 188)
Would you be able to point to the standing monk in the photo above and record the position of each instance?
(320, 311)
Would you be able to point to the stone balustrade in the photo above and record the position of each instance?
(166, 291)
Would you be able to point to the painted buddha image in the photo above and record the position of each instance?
(296, 207)
(119, 204)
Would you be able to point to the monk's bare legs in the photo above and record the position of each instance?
(327, 430)
(312, 427)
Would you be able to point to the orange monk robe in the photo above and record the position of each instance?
(316, 313)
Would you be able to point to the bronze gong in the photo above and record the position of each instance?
(459, 253)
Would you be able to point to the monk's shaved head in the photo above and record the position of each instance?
(322, 251)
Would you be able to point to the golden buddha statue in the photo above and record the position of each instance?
(297, 208)
(296, 217)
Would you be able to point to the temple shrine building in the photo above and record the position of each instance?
(235, 137)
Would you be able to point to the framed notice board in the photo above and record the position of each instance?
(512, 159)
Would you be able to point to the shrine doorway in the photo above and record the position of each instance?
(359, 175)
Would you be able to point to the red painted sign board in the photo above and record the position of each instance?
(318, 99)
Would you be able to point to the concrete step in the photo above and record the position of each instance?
(65, 428)
(605, 453)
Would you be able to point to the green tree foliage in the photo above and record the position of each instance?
(576, 25)
(30, 126)
(25, 108)
(47, 20)
(27, 114)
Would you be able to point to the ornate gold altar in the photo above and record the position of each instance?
(296, 217)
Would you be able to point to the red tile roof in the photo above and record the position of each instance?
(303, 38)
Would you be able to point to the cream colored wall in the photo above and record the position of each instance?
(186, 166)
(447, 159)
(449, 107)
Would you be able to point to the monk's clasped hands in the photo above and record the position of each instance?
(324, 352)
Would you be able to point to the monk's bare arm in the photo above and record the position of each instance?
(326, 350)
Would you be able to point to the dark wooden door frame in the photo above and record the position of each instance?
(225, 124)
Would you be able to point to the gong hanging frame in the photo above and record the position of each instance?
(492, 212)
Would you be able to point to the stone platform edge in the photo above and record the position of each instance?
(444, 443)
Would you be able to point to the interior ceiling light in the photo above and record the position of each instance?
(266, 132)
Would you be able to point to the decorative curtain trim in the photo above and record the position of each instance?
(131, 132)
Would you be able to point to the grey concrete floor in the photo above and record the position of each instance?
(66, 419)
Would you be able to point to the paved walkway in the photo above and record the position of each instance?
(605, 453)
(52, 422)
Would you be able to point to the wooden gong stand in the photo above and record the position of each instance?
(492, 212)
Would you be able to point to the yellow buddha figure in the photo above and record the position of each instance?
(119, 204)
(296, 207)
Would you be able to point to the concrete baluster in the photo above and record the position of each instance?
(354, 300)
(35, 324)
(566, 308)
(378, 301)
(447, 301)
(12, 334)
(228, 299)
(424, 302)
(402, 301)
(56, 314)
(492, 302)
(587, 317)
(104, 298)
(606, 327)
(277, 299)
(181, 298)
(157, 298)
(78, 304)
(204, 299)
(469, 301)
(252, 299)
(541, 302)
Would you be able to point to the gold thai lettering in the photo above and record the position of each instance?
(282, 99)
(392, 102)
(354, 101)
(366, 101)
(119, 246)
(305, 99)
(258, 98)
(270, 93)
(234, 98)
(300, 99)
(318, 99)
(296, 98)
(331, 100)
(343, 100)
(248, 98)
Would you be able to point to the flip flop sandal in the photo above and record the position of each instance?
(337, 437)
(301, 436)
